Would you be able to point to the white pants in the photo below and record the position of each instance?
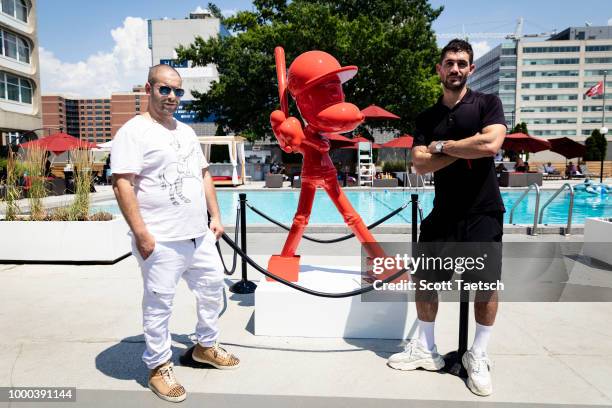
(198, 262)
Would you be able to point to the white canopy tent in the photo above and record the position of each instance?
(235, 145)
(104, 147)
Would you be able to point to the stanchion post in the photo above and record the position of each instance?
(244, 286)
(414, 198)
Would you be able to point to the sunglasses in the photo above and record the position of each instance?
(165, 91)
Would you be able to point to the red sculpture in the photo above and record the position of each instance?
(315, 82)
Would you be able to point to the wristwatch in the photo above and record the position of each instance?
(439, 147)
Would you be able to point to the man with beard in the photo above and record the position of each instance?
(457, 139)
(163, 187)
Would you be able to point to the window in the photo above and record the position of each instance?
(8, 7)
(598, 48)
(596, 119)
(12, 88)
(549, 121)
(553, 132)
(596, 108)
(550, 85)
(551, 49)
(16, 8)
(15, 47)
(604, 60)
(594, 72)
(23, 49)
(551, 61)
(560, 97)
(549, 109)
(22, 10)
(550, 73)
(10, 44)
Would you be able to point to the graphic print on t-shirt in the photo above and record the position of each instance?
(173, 174)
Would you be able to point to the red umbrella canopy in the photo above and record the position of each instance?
(337, 141)
(567, 147)
(358, 139)
(402, 142)
(59, 143)
(376, 112)
(521, 142)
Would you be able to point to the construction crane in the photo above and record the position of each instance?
(516, 36)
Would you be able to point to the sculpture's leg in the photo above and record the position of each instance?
(353, 220)
(287, 264)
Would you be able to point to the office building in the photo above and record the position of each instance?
(164, 36)
(95, 120)
(542, 83)
(20, 103)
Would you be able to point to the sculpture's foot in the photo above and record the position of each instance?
(286, 267)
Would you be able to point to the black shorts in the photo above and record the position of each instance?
(477, 236)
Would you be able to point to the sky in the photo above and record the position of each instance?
(102, 48)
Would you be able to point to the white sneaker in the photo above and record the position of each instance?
(416, 355)
(478, 368)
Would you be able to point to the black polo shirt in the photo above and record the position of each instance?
(464, 187)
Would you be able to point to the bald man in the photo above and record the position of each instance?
(163, 187)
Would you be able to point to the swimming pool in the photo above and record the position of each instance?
(375, 204)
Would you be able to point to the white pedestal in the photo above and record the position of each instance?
(282, 311)
(597, 236)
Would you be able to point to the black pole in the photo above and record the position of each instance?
(464, 310)
(603, 125)
(415, 209)
(244, 286)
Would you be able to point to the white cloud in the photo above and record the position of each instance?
(101, 73)
(229, 12)
(610, 21)
(480, 48)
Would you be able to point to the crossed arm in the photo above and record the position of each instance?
(485, 144)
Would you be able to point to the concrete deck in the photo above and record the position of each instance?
(80, 326)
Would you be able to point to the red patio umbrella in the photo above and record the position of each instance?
(567, 147)
(358, 139)
(521, 142)
(59, 143)
(402, 142)
(376, 112)
(337, 141)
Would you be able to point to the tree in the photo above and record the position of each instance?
(520, 128)
(596, 146)
(391, 42)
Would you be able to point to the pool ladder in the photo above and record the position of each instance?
(534, 229)
(568, 228)
(536, 221)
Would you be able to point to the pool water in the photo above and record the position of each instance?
(373, 205)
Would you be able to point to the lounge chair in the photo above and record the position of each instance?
(549, 176)
(586, 172)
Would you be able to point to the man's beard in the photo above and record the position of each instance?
(448, 84)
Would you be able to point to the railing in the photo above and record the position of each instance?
(534, 230)
(570, 210)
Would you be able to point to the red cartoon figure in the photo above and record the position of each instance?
(315, 82)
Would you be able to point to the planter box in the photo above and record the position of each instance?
(384, 182)
(64, 241)
(598, 239)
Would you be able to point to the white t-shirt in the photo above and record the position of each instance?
(168, 167)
